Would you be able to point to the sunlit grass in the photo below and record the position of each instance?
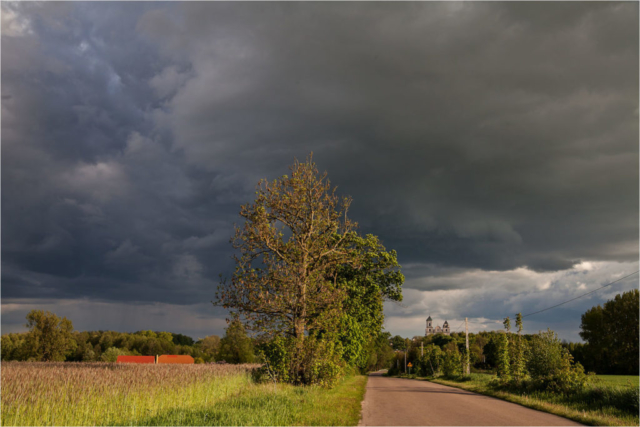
(622, 380)
(110, 394)
(597, 404)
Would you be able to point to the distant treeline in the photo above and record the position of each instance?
(610, 331)
(52, 338)
(107, 345)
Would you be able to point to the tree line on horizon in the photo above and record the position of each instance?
(52, 339)
(610, 332)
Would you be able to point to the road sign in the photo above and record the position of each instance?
(409, 364)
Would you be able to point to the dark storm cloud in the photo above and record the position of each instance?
(482, 136)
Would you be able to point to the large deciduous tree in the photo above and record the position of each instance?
(295, 235)
(50, 338)
(291, 280)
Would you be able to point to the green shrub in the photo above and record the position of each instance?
(314, 361)
(112, 353)
(452, 366)
(551, 365)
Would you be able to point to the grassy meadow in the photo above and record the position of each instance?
(619, 380)
(607, 401)
(112, 394)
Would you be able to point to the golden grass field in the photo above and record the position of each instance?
(126, 394)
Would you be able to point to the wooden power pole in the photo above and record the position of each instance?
(421, 349)
(468, 358)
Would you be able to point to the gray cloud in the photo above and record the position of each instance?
(472, 136)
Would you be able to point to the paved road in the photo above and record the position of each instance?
(404, 402)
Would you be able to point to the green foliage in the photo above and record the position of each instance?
(236, 346)
(322, 362)
(50, 338)
(179, 339)
(112, 353)
(612, 334)
(546, 356)
(90, 346)
(551, 365)
(377, 278)
(431, 363)
(507, 324)
(398, 343)
(353, 338)
(14, 347)
(503, 365)
(452, 365)
(209, 347)
(198, 360)
(276, 356)
(380, 353)
(319, 361)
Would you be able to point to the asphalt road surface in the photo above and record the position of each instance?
(404, 402)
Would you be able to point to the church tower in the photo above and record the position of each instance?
(429, 329)
(445, 328)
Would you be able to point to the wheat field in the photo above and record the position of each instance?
(68, 393)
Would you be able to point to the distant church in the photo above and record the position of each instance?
(437, 330)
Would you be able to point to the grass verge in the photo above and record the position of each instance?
(109, 394)
(260, 405)
(574, 407)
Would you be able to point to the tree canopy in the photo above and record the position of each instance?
(50, 338)
(236, 346)
(611, 332)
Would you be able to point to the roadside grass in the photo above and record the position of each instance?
(110, 394)
(601, 403)
(286, 405)
(621, 380)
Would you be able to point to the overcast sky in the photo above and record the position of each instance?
(493, 145)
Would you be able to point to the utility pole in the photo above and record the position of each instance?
(421, 349)
(466, 333)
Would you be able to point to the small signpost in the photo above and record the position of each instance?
(409, 365)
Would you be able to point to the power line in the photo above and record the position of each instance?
(458, 328)
(580, 296)
(565, 302)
